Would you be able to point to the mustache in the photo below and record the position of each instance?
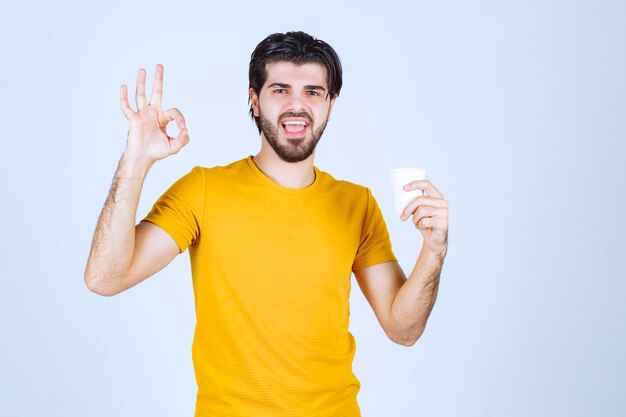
(303, 115)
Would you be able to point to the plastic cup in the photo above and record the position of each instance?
(401, 177)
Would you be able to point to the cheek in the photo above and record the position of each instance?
(268, 107)
(322, 115)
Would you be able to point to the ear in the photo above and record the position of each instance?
(332, 104)
(254, 100)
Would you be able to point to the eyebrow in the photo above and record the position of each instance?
(306, 87)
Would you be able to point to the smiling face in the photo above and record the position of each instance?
(294, 107)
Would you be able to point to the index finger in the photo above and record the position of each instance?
(157, 87)
(423, 185)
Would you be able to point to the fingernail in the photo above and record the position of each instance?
(182, 125)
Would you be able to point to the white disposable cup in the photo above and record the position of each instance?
(401, 177)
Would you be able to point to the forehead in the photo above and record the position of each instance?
(290, 73)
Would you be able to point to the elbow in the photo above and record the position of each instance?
(90, 280)
(406, 339)
(101, 291)
(93, 285)
(406, 342)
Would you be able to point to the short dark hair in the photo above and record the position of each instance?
(298, 48)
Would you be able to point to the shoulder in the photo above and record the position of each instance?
(232, 169)
(346, 189)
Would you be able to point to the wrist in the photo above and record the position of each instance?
(134, 168)
(435, 252)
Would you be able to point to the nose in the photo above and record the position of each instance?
(296, 103)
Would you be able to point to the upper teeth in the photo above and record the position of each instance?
(295, 122)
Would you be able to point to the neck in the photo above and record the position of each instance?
(288, 174)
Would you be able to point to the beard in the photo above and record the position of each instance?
(295, 150)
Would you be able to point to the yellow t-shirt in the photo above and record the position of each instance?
(271, 269)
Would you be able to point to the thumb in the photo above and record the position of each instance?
(176, 144)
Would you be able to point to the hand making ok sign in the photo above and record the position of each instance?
(147, 138)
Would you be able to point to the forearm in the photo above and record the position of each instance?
(113, 243)
(416, 298)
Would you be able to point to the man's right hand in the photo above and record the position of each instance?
(147, 138)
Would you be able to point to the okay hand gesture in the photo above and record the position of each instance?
(147, 137)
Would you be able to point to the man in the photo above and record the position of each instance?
(272, 241)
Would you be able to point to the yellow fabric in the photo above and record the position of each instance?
(271, 269)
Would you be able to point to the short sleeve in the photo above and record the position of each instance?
(180, 210)
(375, 245)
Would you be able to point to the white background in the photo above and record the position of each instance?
(516, 109)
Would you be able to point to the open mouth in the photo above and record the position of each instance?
(295, 128)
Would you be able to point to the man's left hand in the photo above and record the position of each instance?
(430, 215)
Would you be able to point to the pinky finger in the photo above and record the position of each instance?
(425, 223)
(434, 223)
(126, 109)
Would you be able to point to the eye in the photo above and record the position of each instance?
(313, 93)
(279, 90)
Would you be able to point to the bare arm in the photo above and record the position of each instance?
(123, 254)
(403, 305)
